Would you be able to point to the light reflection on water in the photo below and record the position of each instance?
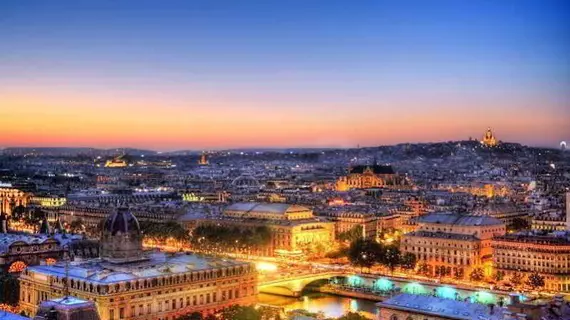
(330, 305)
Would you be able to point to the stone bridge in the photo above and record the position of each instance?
(294, 285)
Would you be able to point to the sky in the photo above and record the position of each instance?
(171, 75)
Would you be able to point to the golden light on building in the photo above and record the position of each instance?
(17, 267)
(489, 139)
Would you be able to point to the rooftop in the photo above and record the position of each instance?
(158, 264)
(442, 235)
(429, 305)
(459, 219)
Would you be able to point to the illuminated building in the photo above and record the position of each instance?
(67, 308)
(17, 251)
(374, 176)
(407, 306)
(525, 254)
(489, 139)
(293, 228)
(199, 196)
(11, 198)
(125, 283)
(48, 201)
(117, 162)
(452, 244)
(346, 221)
(203, 160)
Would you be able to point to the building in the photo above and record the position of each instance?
(127, 283)
(48, 201)
(369, 176)
(417, 307)
(347, 220)
(203, 160)
(568, 211)
(525, 254)
(67, 308)
(410, 306)
(453, 244)
(293, 228)
(117, 162)
(11, 198)
(17, 251)
(489, 139)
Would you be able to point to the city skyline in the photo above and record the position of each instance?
(267, 75)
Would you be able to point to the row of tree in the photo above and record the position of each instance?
(212, 237)
(367, 253)
(163, 231)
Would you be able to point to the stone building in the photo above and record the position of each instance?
(548, 256)
(373, 176)
(293, 227)
(453, 244)
(127, 283)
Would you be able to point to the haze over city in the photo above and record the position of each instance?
(226, 74)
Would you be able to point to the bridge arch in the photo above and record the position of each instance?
(294, 287)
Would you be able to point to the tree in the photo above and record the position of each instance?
(477, 274)
(499, 276)
(423, 268)
(408, 261)
(535, 281)
(193, 316)
(9, 289)
(355, 233)
(352, 316)
(459, 274)
(391, 257)
(516, 279)
(364, 253)
(236, 312)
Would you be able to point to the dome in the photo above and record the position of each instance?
(121, 221)
(121, 238)
(246, 182)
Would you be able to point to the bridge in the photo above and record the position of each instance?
(293, 286)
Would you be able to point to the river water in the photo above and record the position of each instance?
(330, 305)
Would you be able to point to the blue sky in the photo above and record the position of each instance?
(505, 61)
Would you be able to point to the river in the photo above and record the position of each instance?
(330, 305)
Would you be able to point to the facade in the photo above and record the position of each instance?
(374, 176)
(453, 244)
(117, 162)
(346, 221)
(48, 201)
(293, 228)
(11, 198)
(126, 283)
(549, 224)
(524, 254)
(17, 251)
